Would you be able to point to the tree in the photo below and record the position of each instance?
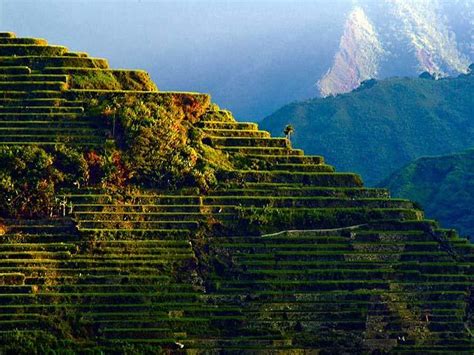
(110, 112)
(288, 131)
(27, 181)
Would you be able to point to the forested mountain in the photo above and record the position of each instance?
(383, 125)
(443, 185)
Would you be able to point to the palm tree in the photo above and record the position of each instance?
(288, 131)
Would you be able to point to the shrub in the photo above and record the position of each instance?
(72, 164)
(27, 179)
(161, 147)
(30, 176)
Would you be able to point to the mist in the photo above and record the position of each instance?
(230, 49)
(252, 56)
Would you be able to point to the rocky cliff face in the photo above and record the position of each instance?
(433, 43)
(415, 32)
(358, 57)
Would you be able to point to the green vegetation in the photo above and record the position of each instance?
(443, 185)
(161, 147)
(379, 128)
(32, 175)
(92, 78)
(288, 131)
(137, 221)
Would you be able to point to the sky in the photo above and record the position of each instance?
(235, 50)
(252, 56)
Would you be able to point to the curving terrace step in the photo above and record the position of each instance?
(32, 107)
(267, 267)
(14, 70)
(248, 142)
(41, 62)
(40, 116)
(31, 95)
(310, 168)
(228, 125)
(322, 179)
(43, 102)
(101, 280)
(33, 85)
(276, 189)
(33, 78)
(23, 41)
(247, 133)
(288, 159)
(275, 151)
(41, 109)
(29, 49)
(51, 139)
(44, 127)
(7, 35)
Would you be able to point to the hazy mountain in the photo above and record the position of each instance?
(383, 125)
(358, 57)
(253, 57)
(443, 185)
(415, 34)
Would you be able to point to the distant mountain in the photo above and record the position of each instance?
(253, 57)
(443, 185)
(358, 56)
(383, 125)
(415, 33)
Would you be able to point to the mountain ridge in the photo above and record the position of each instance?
(443, 185)
(407, 30)
(358, 56)
(388, 123)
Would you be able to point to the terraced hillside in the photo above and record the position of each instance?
(259, 249)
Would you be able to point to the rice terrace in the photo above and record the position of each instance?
(136, 220)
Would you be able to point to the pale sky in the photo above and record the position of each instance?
(225, 48)
(252, 56)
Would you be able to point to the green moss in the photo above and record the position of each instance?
(96, 79)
